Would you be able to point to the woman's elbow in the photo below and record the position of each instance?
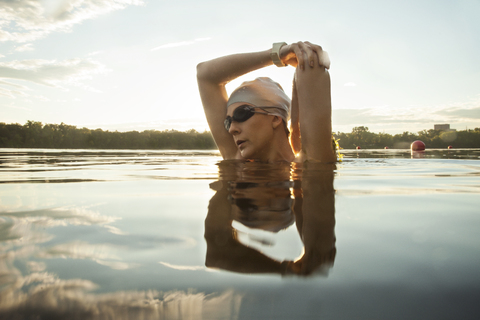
(204, 72)
(201, 71)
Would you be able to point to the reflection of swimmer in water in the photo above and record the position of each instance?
(269, 205)
(256, 114)
(263, 205)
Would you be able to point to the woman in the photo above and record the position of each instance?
(251, 124)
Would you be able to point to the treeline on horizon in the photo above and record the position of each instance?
(363, 138)
(34, 134)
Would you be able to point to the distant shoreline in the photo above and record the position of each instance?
(62, 136)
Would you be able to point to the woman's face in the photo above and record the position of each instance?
(253, 137)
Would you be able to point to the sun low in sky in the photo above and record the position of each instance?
(130, 64)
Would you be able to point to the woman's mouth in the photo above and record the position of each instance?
(239, 142)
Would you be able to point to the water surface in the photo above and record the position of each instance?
(385, 234)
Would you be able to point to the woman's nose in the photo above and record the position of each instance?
(234, 128)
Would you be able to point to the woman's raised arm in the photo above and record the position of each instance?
(312, 107)
(212, 76)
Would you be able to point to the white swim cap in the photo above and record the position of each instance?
(263, 92)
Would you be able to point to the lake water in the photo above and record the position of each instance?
(116, 234)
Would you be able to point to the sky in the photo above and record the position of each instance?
(131, 64)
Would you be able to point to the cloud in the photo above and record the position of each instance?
(24, 47)
(397, 120)
(12, 84)
(16, 231)
(183, 268)
(28, 20)
(15, 107)
(179, 44)
(50, 73)
(7, 93)
(12, 93)
(36, 266)
(42, 98)
(79, 250)
(29, 226)
(350, 84)
(115, 230)
(44, 295)
(94, 53)
(379, 120)
(72, 215)
(103, 254)
(458, 112)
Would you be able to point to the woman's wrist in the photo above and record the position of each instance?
(275, 54)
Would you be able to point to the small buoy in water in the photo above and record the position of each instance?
(385, 148)
(358, 148)
(417, 145)
(450, 147)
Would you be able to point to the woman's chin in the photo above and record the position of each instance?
(246, 153)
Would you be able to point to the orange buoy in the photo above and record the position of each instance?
(417, 145)
(450, 147)
(358, 148)
(385, 148)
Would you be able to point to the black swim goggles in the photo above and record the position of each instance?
(242, 113)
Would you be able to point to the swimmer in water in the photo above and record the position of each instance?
(251, 124)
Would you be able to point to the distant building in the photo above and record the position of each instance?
(443, 127)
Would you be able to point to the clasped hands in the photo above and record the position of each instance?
(304, 53)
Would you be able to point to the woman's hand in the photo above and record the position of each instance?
(304, 54)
